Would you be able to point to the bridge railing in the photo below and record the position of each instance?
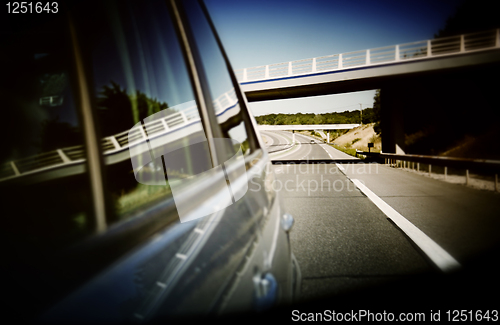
(114, 143)
(425, 49)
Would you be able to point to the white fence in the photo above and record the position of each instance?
(409, 51)
(115, 143)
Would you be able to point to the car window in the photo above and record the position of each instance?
(43, 171)
(153, 137)
(225, 102)
(44, 181)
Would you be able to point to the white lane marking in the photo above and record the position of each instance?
(282, 138)
(268, 138)
(324, 148)
(339, 166)
(287, 152)
(436, 253)
(307, 154)
(287, 142)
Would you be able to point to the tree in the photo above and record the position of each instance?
(114, 110)
(377, 113)
(318, 119)
(471, 16)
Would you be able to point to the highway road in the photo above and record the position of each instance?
(366, 234)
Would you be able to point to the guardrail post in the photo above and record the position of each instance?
(429, 48)
(229, 100)
(497, 42)
(115, 142)
(218, 106)
(245, 76)
(445, 172)
(418, 167)
(314, 65)
(496, 177)
(184, 117)
(430, 169)
(16, 171)
(466, 177)
(396, 53)
(340, 61)
(164, 122)
(63, 156)
(267, 72)
(143, 133)
(290, 68)
(462, 43)
(367, 57)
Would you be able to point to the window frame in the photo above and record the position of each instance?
(112, 241)
(254, 143)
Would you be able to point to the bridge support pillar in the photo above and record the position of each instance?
(393, 136)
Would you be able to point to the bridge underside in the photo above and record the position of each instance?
(453, 97)
(364, 78)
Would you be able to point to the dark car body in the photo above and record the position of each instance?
(87, 236)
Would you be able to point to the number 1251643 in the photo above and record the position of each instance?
(32, 7)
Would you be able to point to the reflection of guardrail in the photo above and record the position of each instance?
(115, 143)
(409, 51)
(491, 167)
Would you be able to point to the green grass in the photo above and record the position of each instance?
(349, 151)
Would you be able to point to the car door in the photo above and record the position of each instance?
(103, 237)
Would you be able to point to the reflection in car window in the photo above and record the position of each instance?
(42, 176)
(225, 102)
(145, 106)
(44, 185)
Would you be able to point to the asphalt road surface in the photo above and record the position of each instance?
(371, 235)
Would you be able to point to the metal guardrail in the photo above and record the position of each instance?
(483, 166)
(419, 50)
(112, 144)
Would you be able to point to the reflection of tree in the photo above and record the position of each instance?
(114, 110)
(57, 135)
(119, 111)
(471, 16)
(147, 106)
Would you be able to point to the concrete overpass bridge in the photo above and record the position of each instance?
(395, 69)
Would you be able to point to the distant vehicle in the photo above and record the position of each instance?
(312, 141)
(119, 203)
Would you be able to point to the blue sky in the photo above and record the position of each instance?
(259, 32)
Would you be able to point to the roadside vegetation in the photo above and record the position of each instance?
(347, 117)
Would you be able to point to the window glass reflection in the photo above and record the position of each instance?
(146, 107)
(225, 102)
(43, 179)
